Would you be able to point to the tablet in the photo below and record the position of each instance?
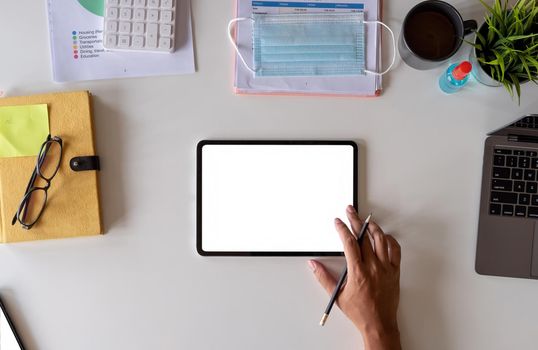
(273, 198)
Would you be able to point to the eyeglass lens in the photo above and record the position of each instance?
(33, 204)
(49, 159)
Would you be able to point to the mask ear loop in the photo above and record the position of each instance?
(393, 48)
(232, 40)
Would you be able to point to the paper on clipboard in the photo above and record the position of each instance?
(363, 85)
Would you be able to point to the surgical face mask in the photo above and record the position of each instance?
(308, 44)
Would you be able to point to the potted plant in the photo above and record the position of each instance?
(506, 46)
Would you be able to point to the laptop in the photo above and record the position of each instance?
(507, 243)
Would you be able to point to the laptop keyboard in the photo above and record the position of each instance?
(514, 183)
(530, 122)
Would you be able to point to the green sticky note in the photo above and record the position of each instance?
(23, 129)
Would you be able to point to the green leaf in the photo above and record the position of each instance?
(516, 84)
(520, 37)
(533, 61)
(509, 88)
(481, 38)
(497, 73)
(500, 60)
(526, 67)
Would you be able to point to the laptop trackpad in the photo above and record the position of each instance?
(534, 267)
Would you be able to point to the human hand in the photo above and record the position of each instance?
(371, 293)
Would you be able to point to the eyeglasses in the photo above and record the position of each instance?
(35, 198)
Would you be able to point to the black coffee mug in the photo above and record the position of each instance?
(432, 32)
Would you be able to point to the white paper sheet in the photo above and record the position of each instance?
(364, 85)
(76, 35)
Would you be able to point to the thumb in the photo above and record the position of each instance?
(327, 281)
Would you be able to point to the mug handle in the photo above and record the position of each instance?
(469, 26)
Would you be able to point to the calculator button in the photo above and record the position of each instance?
(166, 16)
(112, 12)
(138, 28)
(164, 43)
(139, 14)
(112, 26)
(153, 15)
(153, 3)
(138, 42)
(167, 4)
(111, 40)
(125, 27)
(166, 30)
(140, 3)
(126, 2)
(113, 2)
(124, 41)
(151, 36)
(125, 13)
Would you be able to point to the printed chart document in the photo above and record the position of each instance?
(76, 36)
(362, 85)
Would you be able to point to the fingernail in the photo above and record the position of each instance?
(350, 209)
(312, 265)
(338, 221)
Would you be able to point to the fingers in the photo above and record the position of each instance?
(354, 220)
(381, 244)
(327, 281)
(351, 248)
(395, 251)
(367, 251)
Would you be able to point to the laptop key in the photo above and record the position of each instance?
(504, 197)
(530, 175)
(495, 209)
(521, 211)
(503, 173)
(517, 174)
(531, 187)
(518, 152)
(531, 154)
(534, 200)
(524, 162)
(501, 185)
(532, 212)
(508, 210)
(534, 163)
(519, 186)
(511, 161)
(498, 160)
(524, 199)
(502, 151)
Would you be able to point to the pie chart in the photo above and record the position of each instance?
(97, 7)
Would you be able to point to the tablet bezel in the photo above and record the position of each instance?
(199, 232)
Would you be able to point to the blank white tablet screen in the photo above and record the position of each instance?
(274, 198)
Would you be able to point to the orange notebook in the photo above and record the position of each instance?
(73, 199)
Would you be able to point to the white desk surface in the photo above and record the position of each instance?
(143, 286)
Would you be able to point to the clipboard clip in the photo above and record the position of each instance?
(85, 163)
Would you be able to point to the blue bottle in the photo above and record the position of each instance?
(455, 77)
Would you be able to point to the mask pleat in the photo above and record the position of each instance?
(308, 44)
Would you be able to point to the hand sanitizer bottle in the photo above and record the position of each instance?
(455, 77)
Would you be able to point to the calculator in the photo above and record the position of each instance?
(140, 25)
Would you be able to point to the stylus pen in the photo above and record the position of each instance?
(342, 276)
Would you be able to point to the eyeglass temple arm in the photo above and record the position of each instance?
(31, 183)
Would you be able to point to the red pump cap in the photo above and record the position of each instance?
(462, 70)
